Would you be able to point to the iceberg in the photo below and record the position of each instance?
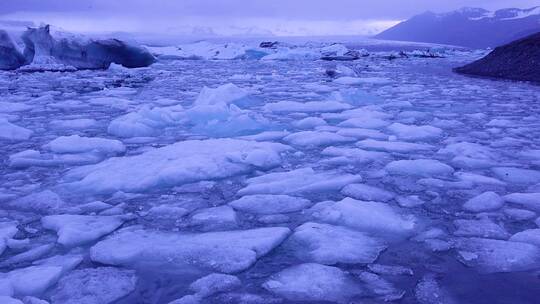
(44, 52)
(10, 56)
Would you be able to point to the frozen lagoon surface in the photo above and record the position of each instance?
(284, 179)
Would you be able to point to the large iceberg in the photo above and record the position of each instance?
(63, 52)
(10, 56)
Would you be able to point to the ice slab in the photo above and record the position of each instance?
(315, 139)
(527, 200)
(419, 167)
(12, 132)
(102, 285)
(270, 204)
(393, 146)
(375, 217)
(313, 282)
(487, 201)
(304, 180)
(76, 230)
(328, 244)
(227, 251)
(215, 283)
(306, 107)
(408, 132)
(491, 256)
(176, 164)
(367, 193)
(76, 144)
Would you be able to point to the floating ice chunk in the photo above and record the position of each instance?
(145, 122)
(313, 282)
(223, 120)
(444, 184)
(29, 158)
(517, 175)
(41, 202)
(470, 155)
(189, 299)
(419, 167)
(528, 200)
(315, 138)
(355, 97)
(77, 144)
(393, 146)
(390, 270)
(407, 132)
(92, 207)
(410, 201)
(360, 133)
(75, 230)
(74, 124)
(531, 236)
(270, 204)
(68, 262)
(101, 285)
(365, 112)
(306, 107)
(373, 217)
(33, 280)
(478, 179)
(428, 291)
(480, 228)
(519, 214)
(12, 107)
(215, 283)
(286, 54)
(367, 193)
(167, 211)
(28, 256)
(113, 102)
(349, 155)
(380, 287)
(266, 136)
(227, 251)
(225, 94)
(33, 300)
(222, 217)
(177, 164)
(364, 122)
(487, 201)
(7, 231)
(491, 256)
(12, 132)
(309, 123)
(347, 80)
(304, 180)
(328, 244)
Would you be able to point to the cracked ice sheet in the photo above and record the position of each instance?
(176, 164)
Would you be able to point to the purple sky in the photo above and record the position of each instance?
(282, 17)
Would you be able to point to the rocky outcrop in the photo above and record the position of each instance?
(10, 56)
(518, 60)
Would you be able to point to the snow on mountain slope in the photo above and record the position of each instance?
(470, 27)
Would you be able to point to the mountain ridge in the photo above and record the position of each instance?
(468, 26)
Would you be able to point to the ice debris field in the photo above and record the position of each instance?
(229, 173)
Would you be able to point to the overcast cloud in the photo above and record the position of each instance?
(281, 17)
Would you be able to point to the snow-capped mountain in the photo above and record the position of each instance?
(470, 27)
